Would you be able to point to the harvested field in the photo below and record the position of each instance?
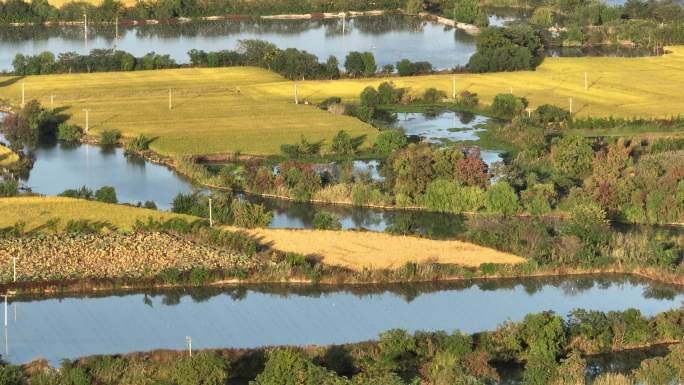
(358, 250)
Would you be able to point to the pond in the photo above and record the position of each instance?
(391, 38)
(446, 127)
(60, 166)
(248, 317)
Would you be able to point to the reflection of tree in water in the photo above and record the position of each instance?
(407, 291)
(465, 117)
(377, 25)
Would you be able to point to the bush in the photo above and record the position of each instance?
(11, 375)
(106, 194)
(502, 199)
(406, 67)
(69, 132)
(110, 137)
(326, 221)
(9, 187)
(140, 143)
(508, 105)
(204, 368)
(250, 215)
(81, 193)
(433, 95)
(389, 141)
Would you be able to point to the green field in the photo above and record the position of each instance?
(36, 211)
(224, 110)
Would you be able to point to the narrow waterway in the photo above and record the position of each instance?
(248, 317)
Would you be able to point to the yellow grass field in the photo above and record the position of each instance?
(7, 156)
(250, 110)
(36, 211)
(356, 250)
(214, 110)
(60, 3)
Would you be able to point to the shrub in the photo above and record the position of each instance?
(433, 95)
(250, 215)
(11, 375)
(9, 187)
(468, 99)
(106, 194)
(502, 199)
(110, 137)
(69, 132)
(204, 368)
(508, 105)
(389, 141)
(140, 143)
(199, 276)
(343, 144)
(81, 193)
(326, 221)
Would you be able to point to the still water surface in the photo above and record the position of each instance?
(247, 317)
(390, 38)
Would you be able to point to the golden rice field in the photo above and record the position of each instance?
(36, 211)
(213, 110)
(358, 250)
(223, 110)
(60, 3)
(7, 156)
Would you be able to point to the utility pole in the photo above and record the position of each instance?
(511, 90)
(87, 120)
(211, 218)
(23, 94)
(453, 87)
(14, 268)
(85, 29)
(188, 339)
(570, 100)
(529, 112)
(170, 107)
(296, 98)
(52, 102)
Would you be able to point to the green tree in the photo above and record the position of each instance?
(573, 156)
(204, 368)
(388, 141)
(326, 221)
(502, 199)
(106, 194)
(288, 367)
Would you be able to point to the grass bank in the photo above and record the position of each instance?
(7, 157)
(250, 110)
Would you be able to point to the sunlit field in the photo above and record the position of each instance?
(7, 156)
(358, 250)
(35, 212)
(250, 110)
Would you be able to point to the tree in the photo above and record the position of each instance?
(344, 144)
(389, 141)
(502, 199)
(288, 367)
(354, 64)
(508, 105)
(468, 11)
(203, 368)
(440, 195)
(106, 194)
(572, 156)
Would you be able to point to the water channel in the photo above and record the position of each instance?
(248, 317)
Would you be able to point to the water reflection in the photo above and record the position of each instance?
(391, 38)
(252, 316)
